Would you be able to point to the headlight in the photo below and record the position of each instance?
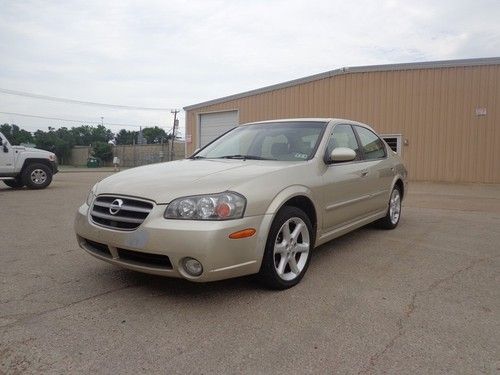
(222, 206)
(91, 196)
(52, 157)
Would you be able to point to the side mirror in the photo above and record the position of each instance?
(341, 154)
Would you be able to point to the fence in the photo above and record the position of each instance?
(131, 155)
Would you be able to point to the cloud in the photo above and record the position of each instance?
(176, 53)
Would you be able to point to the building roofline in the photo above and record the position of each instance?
(353, 69)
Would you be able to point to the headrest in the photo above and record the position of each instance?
(278, 149)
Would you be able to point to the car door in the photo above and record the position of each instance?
(6, 157)
(344, 191)
(379, 169)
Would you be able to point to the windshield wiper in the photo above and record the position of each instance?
(197, 157)
(244, 157)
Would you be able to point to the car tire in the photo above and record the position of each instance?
(288, 251)
(37, 176)
(14, 184)
(393, 215)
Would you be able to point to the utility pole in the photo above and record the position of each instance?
(172, 151)
(102, 120)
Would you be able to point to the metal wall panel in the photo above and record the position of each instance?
(433, 108)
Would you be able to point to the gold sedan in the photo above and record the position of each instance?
(256, 200)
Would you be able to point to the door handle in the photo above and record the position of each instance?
(364, 172)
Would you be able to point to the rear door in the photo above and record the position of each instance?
(344, 192)
(378, 178)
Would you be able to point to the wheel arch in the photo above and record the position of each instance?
(297, 196)
(398, 181)
(29, 161)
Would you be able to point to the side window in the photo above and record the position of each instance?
(372, 145)
(343, 136)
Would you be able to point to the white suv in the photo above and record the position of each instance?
(24, 166)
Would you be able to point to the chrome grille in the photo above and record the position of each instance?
(119, 212)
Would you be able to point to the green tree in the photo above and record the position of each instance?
(86, 135)
(51, 141)
(101, 134)
(82, 135)
(103, 151)
(126, 137)
(155, 134)
(15, 135)
(66, 135)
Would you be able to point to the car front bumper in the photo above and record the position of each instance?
(54, 165)
(157, 237)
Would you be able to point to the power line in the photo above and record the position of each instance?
(81, 102)
(65, 119)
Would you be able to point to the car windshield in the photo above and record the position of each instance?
(284, 141)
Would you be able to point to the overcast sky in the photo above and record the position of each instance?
(171, 54)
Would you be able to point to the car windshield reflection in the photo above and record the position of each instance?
(281, 141)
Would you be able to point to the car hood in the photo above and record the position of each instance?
(30, 149)
(164, 182)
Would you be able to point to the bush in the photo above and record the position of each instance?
(103, 151)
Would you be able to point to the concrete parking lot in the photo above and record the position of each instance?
(424, 298)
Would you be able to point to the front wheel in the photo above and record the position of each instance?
(391, 219)
(288, 249)
(37, 176)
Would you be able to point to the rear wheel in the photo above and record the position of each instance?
(37, 176)
(14, 184)
(391, 219)
(288, 249)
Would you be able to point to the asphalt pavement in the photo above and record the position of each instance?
(424, 298)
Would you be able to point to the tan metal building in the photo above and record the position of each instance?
(443, 117)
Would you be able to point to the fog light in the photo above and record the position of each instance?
(192, 266)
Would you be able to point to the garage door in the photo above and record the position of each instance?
(214, 124)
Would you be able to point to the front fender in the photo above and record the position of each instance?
(25, 157)
(294, 191)
(286, 194)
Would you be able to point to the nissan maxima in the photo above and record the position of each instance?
(256, 200)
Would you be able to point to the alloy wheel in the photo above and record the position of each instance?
(291, 248)
(38, 176)
(395, 206)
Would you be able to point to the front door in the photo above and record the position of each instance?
(344, 192)
(6, 157)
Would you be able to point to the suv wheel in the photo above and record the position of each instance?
(37, 176)
(15, 183)
(288, 249)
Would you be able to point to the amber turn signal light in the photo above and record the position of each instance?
(242, 234)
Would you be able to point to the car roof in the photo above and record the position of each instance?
(315, 119)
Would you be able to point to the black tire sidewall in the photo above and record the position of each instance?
(27, 176)
(268, 274)
(14, 184)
